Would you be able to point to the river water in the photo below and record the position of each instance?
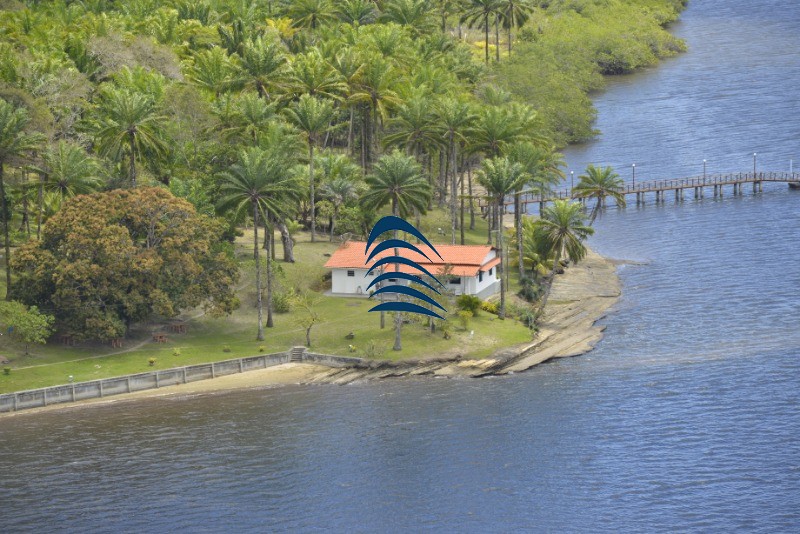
(685, 418)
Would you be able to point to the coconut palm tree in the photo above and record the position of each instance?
(213, 70)
(410, 13)
(480, 12)
(599, 183)
(14, 142)
(259, 181)
(128, 122)
(397, 180)
(501, 177)
(340, 191)
(313, 117)
(562, 230)
(250, 116)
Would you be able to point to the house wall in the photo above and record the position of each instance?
(341, 283)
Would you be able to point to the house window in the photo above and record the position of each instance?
(351, 273)
(393, 280)
(456, 281)
(490, 272)
(480, 276)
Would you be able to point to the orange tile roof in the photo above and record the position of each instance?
(464, 259)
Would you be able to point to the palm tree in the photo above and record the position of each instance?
(340, 190)
(410, 13)
(311, 13)
(543, 165)
(259, 182)
(213, 70)
(599, 183)
(262, 64)
(312, 74)
(479, 12)
(313, 117)
(515, 13)
(501, 177)
(397, 180)
(69, 170)
(128, 122)
(562, 230)
(357, 12)
(14, 142)
(455, 117)
(251, 116)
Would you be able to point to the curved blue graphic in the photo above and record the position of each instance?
(394, 243)
(392, 223)
(404, 276)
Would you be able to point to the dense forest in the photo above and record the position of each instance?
(279, 115)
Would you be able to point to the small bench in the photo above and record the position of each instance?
(116, 343)
(178, 328)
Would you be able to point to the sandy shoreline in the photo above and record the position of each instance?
(579, 298)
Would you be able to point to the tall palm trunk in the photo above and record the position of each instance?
(596, 210)
(6, 240)
(497, 37)
(40, 206)
(510, 24)
(453, 188)
(286, 240)
(132, 168)
(501, 267)
(462, 203)
(270, 324)
(260, 336)
(486, 32)
(471, 200)
(311, 189)
(518, 229)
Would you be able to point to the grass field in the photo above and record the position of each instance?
(209, 339)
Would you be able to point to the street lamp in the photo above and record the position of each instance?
(704, 171)
(633, 166)
(754, 164)
(572, 181)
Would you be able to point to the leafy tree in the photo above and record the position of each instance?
(25, 325)
(128, 122)
(599, 183)
(258, 182)
(515, 13)
(307, 314)
(562, 230)
(455, 117)
(341, 185)
(313, 117)
(14, 142)
(108, 260)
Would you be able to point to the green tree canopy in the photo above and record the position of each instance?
(110, 259)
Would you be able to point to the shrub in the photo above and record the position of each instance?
(489, 307)
(151, 361)
(282, 302)
(6, 371)
(176, 352)
(446, 328)
(529, 291)
(464, 317)
(469, 303)
(226, 348)
(373, 350)
(261, 348)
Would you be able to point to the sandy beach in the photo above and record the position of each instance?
(579, 298)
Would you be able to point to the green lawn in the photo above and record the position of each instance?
(209, 339)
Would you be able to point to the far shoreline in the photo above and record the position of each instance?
(580, 297)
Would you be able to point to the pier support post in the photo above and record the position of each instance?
(760, 187)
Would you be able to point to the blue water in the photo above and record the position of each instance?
(685, 418)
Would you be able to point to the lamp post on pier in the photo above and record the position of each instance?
(754, 165)
(571, 181)
(704, 172)
(633, 169)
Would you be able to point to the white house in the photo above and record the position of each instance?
(472, 269)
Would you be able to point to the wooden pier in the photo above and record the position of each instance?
(660, 189)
